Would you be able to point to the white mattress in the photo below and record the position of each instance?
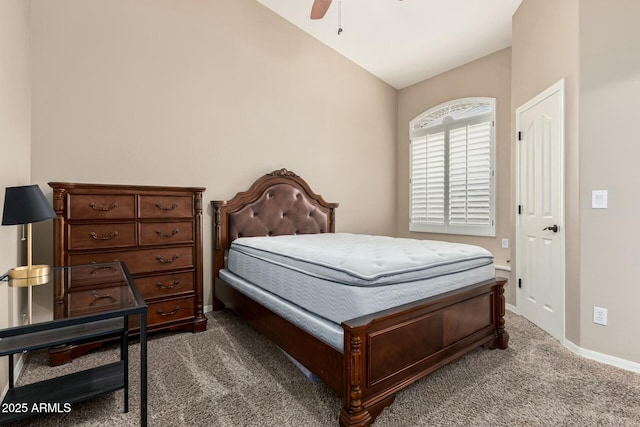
(363, 260)
(339, 276)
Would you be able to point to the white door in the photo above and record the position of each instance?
(540, 236)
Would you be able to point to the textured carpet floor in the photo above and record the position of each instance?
(232, 376)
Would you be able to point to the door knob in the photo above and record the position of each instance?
(553, 228)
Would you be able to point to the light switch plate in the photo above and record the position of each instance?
(599, 199)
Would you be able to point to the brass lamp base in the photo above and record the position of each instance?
(29, 276)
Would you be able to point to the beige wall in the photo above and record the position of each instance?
(609, 153)
(488, 76)
(545, 50)
(15, 133)
(593, 45)
(207, 93)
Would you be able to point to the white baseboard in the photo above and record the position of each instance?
(603, 358)
(593, 355)
(207, 308)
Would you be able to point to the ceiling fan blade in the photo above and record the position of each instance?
(319, 8)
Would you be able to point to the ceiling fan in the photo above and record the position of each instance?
(319, 8)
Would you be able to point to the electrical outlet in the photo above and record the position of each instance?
(505, 243)
(24, 318)
(600, 316)
(599, 199)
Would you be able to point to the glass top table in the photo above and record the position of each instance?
(97, 302)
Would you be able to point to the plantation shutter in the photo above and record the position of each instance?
(479, 174)
(458, 175)
(470, 174)
(428, 179)
(418, 196)
(435, 175)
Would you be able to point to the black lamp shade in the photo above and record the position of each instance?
(24, 205)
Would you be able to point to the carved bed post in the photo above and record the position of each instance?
(332, 220)
(219, 239)
(353, 412)
(502, 336)
(217, 228)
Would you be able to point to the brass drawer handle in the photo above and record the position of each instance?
(171, 313)
(164, 208)
(167, 261)
(94, 236)
(173, 233)
(95, 270)
(103, 209)
(173, 285)
(102, 297)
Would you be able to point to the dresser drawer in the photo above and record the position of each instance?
(142, 261)
(101, 206)
(95, 236)
(166, 311)
(165, 285)
(170, 311)
(98, 300)
(161, 233)
(94, 275)
(166, 207)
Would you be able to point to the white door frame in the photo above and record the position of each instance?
(558, 87)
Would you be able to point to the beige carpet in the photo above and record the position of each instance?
(232, 376)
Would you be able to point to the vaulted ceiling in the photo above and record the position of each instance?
(406, 41)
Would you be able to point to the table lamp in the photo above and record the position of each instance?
(26, 205)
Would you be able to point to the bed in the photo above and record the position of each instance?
(390, 341)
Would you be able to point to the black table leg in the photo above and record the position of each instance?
(124, 356)
(143, 368)
(11, 379)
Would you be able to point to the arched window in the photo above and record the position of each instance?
(452, 178)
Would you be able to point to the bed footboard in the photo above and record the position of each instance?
(385, 353)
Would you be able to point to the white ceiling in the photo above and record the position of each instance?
(405, 42)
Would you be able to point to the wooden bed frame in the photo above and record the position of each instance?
(383, 352)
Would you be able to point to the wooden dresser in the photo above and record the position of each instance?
(155, 231)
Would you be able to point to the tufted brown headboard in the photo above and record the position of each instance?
(278, 203)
